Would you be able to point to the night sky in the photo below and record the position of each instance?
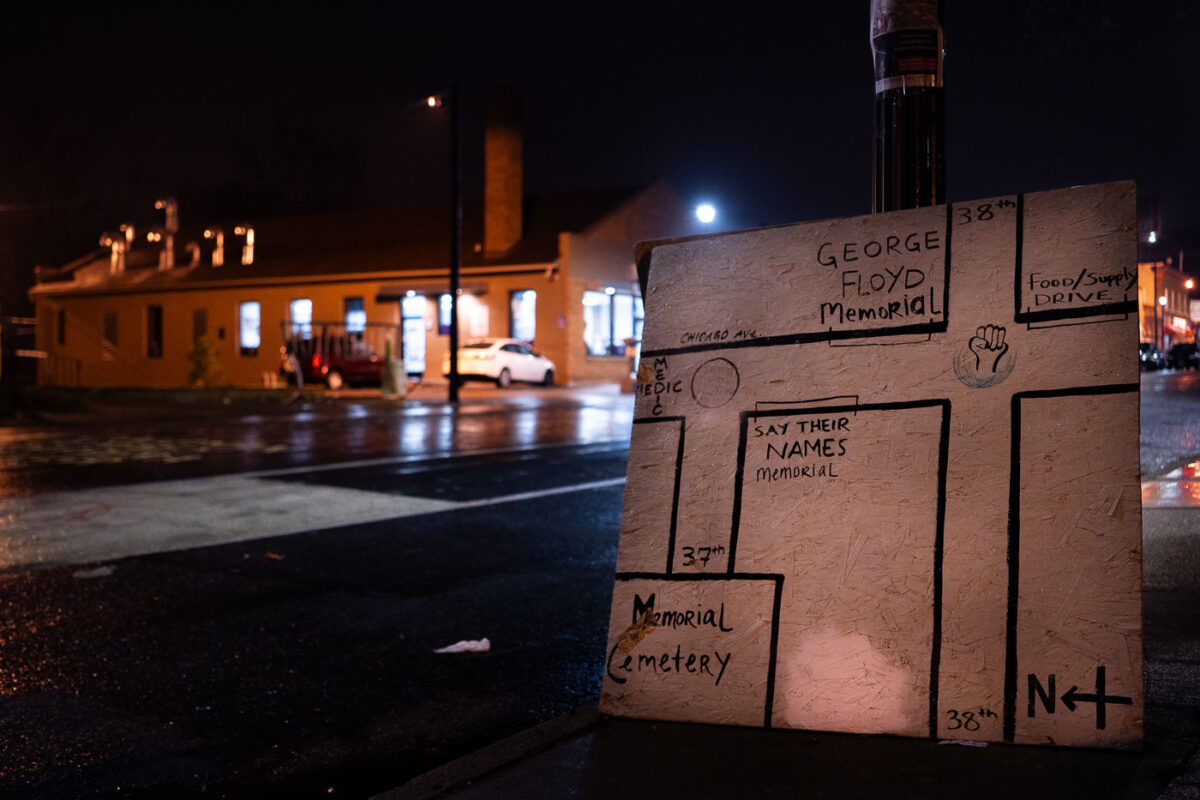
(249, 112)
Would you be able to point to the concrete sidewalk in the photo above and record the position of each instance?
(586, 755)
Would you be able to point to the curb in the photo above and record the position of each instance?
(495, 757)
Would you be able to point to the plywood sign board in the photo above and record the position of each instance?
(884, 477)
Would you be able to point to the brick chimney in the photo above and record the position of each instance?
(503, 172)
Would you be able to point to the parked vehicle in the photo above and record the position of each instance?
(1150, 357)
(1184, 356)
(332, 356)
(502, 361)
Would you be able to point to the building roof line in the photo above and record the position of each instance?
(408, 276)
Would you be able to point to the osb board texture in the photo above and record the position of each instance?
(884, 477)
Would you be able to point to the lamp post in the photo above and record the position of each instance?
(450, 101)
(455, 238)
(910, 113)
(1154, 307)
(1162, 339)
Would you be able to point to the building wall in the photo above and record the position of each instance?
(593, 266)
(601, 259)
(83, 358)
(656, 213)
(598, 259)
(1169, 324)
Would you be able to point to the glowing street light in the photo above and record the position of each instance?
(450, 100)
(706, 213)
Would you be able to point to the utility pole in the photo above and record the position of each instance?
(910, 108)
(455, 236)
(1158, 339)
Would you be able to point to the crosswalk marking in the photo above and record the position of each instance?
(91, 525)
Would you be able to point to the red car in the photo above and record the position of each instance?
(335, 361)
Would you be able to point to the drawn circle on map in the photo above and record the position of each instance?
(715, 382)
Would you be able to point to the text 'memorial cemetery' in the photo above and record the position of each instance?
(884, 477)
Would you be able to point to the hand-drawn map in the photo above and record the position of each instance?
(884, 477)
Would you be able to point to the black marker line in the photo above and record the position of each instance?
(678, 474)
(1014, 555)
(852, 408)
(928, 338)
(1077, 391)
(803, 338)
(1125, 307)
(675, 499)
(946, 268)
(1014, 533)
(769, 709)
(735, 523)
(1020, 249)
(935, 656)
(776, 606)
(683, 577)
(793, 403)
(939, 530)
(1121, 318)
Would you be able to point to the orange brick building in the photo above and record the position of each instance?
(555, 270)
(1163, 304)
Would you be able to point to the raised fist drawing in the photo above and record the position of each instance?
(988, 345)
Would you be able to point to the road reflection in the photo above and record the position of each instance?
(119, 449)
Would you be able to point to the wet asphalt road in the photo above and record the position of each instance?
(107, 445)
(303, 665)
(1170, 421)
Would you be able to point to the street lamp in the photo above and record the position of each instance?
(1162, 304)
(451, 99)
(1154, 307)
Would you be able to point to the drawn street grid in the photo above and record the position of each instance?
(884, 477)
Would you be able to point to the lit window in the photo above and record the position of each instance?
(444, 302)
(300, 313)
(609, 318)
(522, 321)
(622, 321)
(412, 312)
(597, 323)
(356, 315)
(249, 328)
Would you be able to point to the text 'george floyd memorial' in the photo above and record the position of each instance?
(884, 477)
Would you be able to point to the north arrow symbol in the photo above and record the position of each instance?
(1072, 696)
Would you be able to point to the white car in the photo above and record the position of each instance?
(502, 361)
